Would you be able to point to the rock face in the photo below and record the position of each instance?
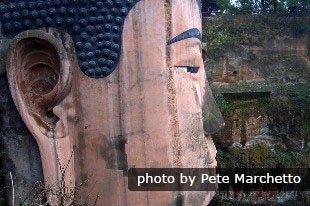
(148, 113)
(249, 48)
(246, 120)
(21, 154)
(262, 78)
(260, 74)
(19, 151)
(283, 59)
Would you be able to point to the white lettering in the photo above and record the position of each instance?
(266, 179)
(214, 179)
(148, 179)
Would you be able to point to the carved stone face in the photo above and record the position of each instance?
(147, 113)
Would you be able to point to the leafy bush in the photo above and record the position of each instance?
(224, 34)
(262, 156)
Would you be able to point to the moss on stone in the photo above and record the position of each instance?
(227, 32)
(262, 156)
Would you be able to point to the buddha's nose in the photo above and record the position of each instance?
(213, 120)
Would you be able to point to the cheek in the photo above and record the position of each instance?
(189, 113)
(187, 92)
(189, 107)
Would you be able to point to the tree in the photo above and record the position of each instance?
(258, 6)
(209, 5)
(296, 6)
(224, 4)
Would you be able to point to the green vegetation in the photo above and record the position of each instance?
(259, 6)
(241, 87)
(224, 105)
(254, 44)
(262, 156)
(226, 34)
(301, 200)
(289, 112)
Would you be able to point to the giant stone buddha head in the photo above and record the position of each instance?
(106, 85)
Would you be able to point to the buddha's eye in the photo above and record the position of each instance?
(193, 70)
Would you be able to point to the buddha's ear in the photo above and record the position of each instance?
(39, 74)
(38, 69)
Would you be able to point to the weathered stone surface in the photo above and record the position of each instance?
(3, 47)
(148, 113)
(267, 51)
(246, 121)
(260, 64)
(21, 154)
(262, 82)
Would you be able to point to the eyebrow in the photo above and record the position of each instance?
(191, 33)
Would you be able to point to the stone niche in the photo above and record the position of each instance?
(246, 120)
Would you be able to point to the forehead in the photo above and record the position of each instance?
(185, 15)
